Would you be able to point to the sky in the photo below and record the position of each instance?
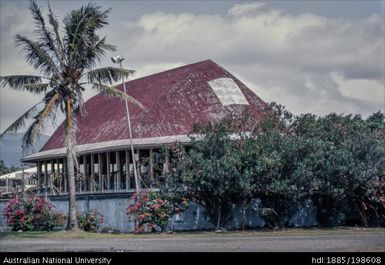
(311, 56)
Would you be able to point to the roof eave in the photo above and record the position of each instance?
(115, 145)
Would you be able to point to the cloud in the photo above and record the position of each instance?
(279, 54)
(245, 9)
(306, 61)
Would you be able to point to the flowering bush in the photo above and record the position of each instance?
(150, 212)
(90, 221)
(34, 213)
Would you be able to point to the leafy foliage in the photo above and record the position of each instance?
(150, 211)
(337, 161)
(34, 213)
(5, 170)
(90, 221)
(213, 171)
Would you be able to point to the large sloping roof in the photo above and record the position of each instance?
(173, 102)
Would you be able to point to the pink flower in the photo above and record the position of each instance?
(19, 212)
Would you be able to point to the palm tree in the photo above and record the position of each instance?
(66, 62)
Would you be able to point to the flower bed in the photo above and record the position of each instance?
(33, 213)
(150, 212)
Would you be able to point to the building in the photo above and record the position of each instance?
(12, 183)
(173, 102)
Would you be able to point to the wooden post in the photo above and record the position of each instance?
(86, 171)
(118, 174)
(151, 158)
(65, 175)
(45, 177)
(79, 183)
(92, 184)
(166, 163)
(108, 171)
(100, 165)
(39, 177)
(128, 175)
(45, 173)
(59, 176)
(22, 179)
(138, 170)
(51, 175)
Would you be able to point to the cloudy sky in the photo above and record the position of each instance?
(311, 56)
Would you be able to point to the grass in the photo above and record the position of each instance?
(251, 233)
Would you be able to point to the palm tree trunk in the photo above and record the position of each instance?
(72, 223)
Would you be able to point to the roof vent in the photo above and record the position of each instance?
(228, 91)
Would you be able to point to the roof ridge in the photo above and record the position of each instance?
(173, 69)
(197, 66)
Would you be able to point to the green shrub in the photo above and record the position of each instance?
(33, 213)
(90, 221)
(150, 212)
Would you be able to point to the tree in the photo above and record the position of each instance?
(5, 170)
(347, 166)
(275, 160)
(211, 172)
(336, 161)
(66, 63)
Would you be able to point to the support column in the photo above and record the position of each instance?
(45, 173)
(45, 178)
(65, 175)
(151, 162)
(138, 170)
(92, 183)
(118, 184)
(128, 175)
(166, 162)
(51, 177)
(108, 171)
(86, 179)
(79, 178)
(100, 165)
(40, 179)
(59, 176)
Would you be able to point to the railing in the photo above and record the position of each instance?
(83, 185)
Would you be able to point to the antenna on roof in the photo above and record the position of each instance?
(117, 59)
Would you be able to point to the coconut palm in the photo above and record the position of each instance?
(65, 60)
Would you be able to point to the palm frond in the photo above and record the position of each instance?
(31, 135)
(46, 38)
(49, 107)
(20, 122)
(33, 88)
(37, 56)
(100, 48)
(80, 106)
(80, 26)
(107, 75)
(114, 92)
(55, 25)
(31, 83)
(34, 131)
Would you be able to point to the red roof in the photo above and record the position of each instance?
(173, 102)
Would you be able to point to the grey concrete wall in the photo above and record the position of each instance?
(3, 222)
(194, 218)
(113, 211)
(304, 215)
